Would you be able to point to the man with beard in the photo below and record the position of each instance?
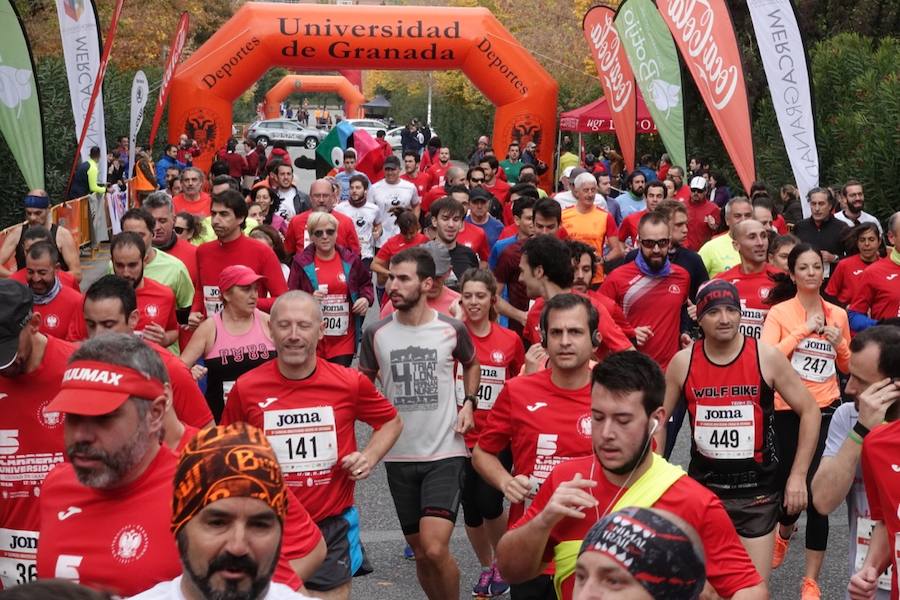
(414, 352)
(703, 215)
(392, 195)
(874, 367)
(513, 163)
(192, 198)
(239, 562)
(59, 305)
(322, 198)
(655, 193)
(447, 216)
(31, 369)
(633, 198)
(853, 213)
(652, 291)
(343, 176)
(105, 513)
(37, 214)
(438, 171)
(626, 393)
(493, 183)
(728, 381)
(412, 174)
(365, 215)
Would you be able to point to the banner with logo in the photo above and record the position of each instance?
(616, 77)
(171, 64)
(139, 92)
(654, 60)
(705, 36)
(81, 48)
(20, 108)
(784, 60)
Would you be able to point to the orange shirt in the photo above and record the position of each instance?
(593, 228)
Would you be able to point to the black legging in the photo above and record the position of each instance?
(787, 430)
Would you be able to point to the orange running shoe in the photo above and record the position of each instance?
(781, 546)
(809, 590)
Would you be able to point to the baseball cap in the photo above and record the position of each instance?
(441, 256)
(567, 172)
(91, 387)
(237, 275)
(698, 183)
(479, 194)
(15, 307)
(717, 292)
(392, 162)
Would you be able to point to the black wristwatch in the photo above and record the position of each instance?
(861, 429)
(471, 398)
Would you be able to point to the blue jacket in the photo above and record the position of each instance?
(162, 165)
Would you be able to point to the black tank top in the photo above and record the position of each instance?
(20, 247)
(732, 410)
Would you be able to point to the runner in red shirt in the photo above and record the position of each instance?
(753, 277)
(408, 224)
(655, 192)
(438, 171)
(308, 409)
(878, 295)
(455, 176)
(865, 241)
(322, 198)
(65, 278)
(105, 514)
(501, 356)
(626, 410)
(493, 181)
(584, 263)
(58, 305)
(192, 199)
(544, 417)
(652, 292)
(31, 440)
(412, 174)
(704, 216)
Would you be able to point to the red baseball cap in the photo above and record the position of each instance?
(237, 275)
(92, 388)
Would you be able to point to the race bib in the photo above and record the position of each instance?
(752, 321)
(304, 439)
(864, 529)
(336, 314)
(813, 359)
(18, 556)
(212, 299)
(492, 380)
(725, 432)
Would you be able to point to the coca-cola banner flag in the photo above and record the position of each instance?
(704, 34)
(171, 64)
(784, 59)
(654, 59)
(615, 74)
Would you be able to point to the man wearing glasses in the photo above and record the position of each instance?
(322, 198)
(651, 291)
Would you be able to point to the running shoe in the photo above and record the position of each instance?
(408, 553)
(809, 590)
(781, 547)
(498, 584)
(482, 589)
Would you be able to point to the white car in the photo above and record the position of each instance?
(286, 130)
(372, 126)
(393, 137)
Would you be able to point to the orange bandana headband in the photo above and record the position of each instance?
(226, 462)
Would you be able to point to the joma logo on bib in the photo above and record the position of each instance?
(722, 413)
(298, 419)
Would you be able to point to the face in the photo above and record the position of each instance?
(525, 223)
(106, 316)
(128, 263)
(740, 211)
(296, 327)
(764, 216)
(599, 577)
(176, 187)
(531, 278)
(41, 273)
(637, 185)
(654, 197)
(444, 155)
(139, 227)
(698, 196)
(230, 549)
(321, 195)
(476, 301)
(358, 192)
(753, 242)
(391, 175)
(242, 297)
(165, 221)
(855, 198)
(476, 179)
(488, 171)
(603, 184)
(105, 449)
(721, 323)
(694, 164)
(259, 235)
(454, 178)
(285, 176)
(678, 227)
(779, 258)
(36, 216)
(584, 273)
(404, 286)
(863, 370)
(620, 428)
(224, 223)
(656, 235)
(183, 139)
(545, 225)
(172, 152)
(181, 229)
(868, 245)
(324, 237)
(447, 225)
(819, 207)
(670, 188)
(677, 177)
(585, 193)
(808, 271)
(514, 153)
(191, 182)
(569, 338)
(410, 165)
(349, 163)
(254, 211)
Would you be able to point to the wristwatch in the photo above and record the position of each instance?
(471, 398)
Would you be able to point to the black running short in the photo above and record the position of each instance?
(425, 489)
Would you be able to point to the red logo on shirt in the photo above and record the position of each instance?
(52, 321)
(129, 544)
(584, 425)
(674, 289)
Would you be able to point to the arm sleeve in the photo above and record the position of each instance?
(465, 348)
(184, 287)
(290, 242)
(611, 229)
(840, 427)
(368, 360)
(92, 174)
(274, 283)
(363, 278)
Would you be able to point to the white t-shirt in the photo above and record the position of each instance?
(171, 590)
(864, 217)
(364, 218)
(286, 209)
(389, 196)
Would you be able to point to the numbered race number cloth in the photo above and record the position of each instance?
(754, 290)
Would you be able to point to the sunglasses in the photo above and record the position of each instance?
(651, 244)
(323, 232)
(477, 180)
(180, 230)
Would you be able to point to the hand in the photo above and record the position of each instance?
(194, 320)
(360, 306)
(199, 372)
(832, 334)
(864, 584)
(357, 466)
(465, 419)
(570, 499)
(153, 332)
(875, 400)
(642, 334)
(828, 256)
(685, 340)
(319, 295)
(711, 222)
(814, 323)
(709, 593)
(456, 310)
(795, 495)
(517, 489)
(535, 359)
(692, 310)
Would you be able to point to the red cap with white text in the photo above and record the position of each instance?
(94, 388)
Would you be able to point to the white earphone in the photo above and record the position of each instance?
(655, 426)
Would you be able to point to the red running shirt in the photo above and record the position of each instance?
(628, 230)
(844, 281)
(473, 237)
(612, 339)
(878, 294)
(340, 324)
(31, 444)
(397, 243)
(879, 470)
(422, 182)
(310, 424)
(156, 304)
(653, 301)
(728, 567)
(214, 256)
(501, 356)
(754, 290)
(201, 207)
(62, 317)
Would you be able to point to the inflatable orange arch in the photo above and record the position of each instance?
(329, 37)
(353, 98)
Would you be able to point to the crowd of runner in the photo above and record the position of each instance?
(185, 427)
